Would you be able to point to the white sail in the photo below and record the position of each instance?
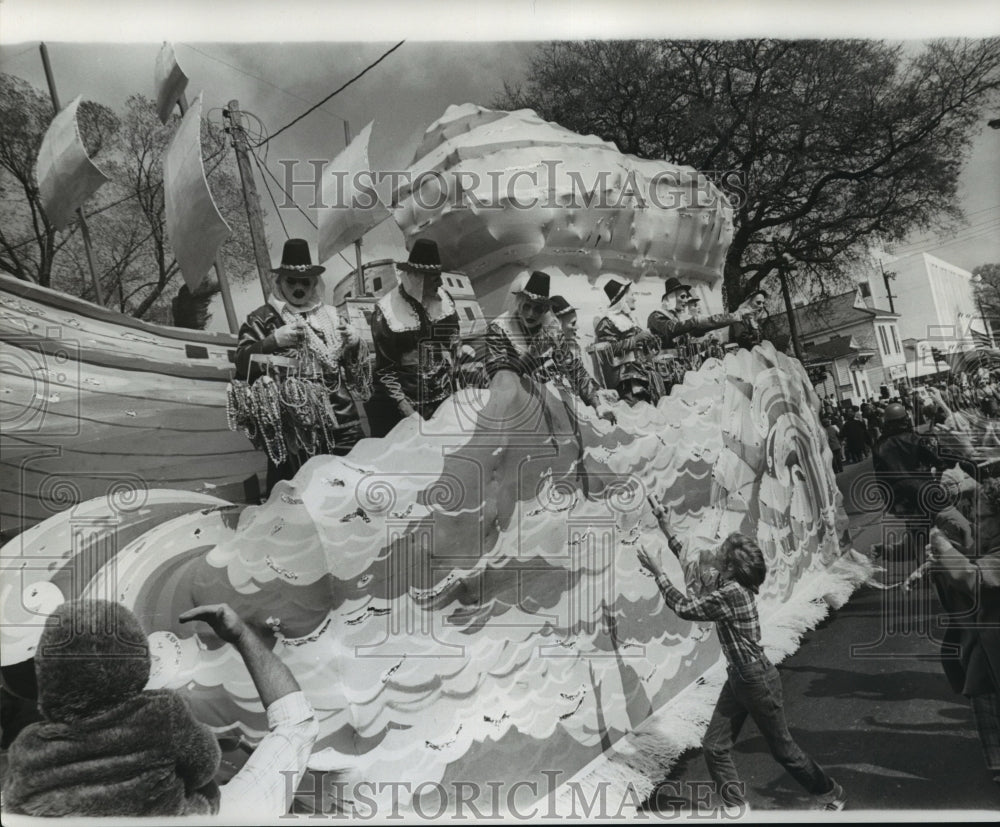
(194, 224)
(169, 82)
(351, 205)
(66, 176)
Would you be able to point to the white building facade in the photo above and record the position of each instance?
(935, 302)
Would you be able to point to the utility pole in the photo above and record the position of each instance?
(977, 281)
(793, 326)
(84, 229)
(888, 290)
(250, 199)
(220, 268)
(359, 281)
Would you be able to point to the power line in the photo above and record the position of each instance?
(288, 195)
(972, 225)
(259, 79)
(17, 55)
(267, 186)
(973, 229)
(984, 209)
(337, 91)
(971, 232)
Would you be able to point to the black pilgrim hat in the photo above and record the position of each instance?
(295, 259)
(615, 290)
(560, 307)
(672, 285)
(424, 258)
(536, 287)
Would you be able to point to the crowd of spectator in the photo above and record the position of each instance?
(961, 412)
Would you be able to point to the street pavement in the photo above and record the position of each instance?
(866, 697)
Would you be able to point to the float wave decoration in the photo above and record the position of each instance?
(481, 614)
(461, 601)
(501, 192)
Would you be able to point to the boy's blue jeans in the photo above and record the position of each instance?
(755, 689)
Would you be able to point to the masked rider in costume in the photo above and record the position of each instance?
(530, 342)
(415, 333)
(295, 323)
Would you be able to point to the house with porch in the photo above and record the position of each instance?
(851, 349)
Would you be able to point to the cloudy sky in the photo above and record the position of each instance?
(280, 59)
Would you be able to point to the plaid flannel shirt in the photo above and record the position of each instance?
(734, 611)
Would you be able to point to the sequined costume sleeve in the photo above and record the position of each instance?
(667, 328)
(501, 354)
(621, 343)
(387, 359)
(256, 336)
(356, 362)
(579, 378)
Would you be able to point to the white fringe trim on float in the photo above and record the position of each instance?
(631, 769)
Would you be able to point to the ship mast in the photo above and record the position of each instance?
(220, 267)
(84, 229)
(250, 198)
(359, 281)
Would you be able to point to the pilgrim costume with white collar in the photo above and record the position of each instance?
(413, 343)
(340, 361)
(624, 361)
(544, 355)
(671, 325)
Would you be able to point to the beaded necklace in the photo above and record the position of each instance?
(322, 337)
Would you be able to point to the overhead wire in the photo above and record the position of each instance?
(281, 186)
(259, 79)
(973, 228)
(264, 169)
(338, 90)
(24, 51)
(267, 186)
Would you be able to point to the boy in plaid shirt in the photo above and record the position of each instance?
(753, 686)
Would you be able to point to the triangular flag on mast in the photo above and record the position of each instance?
(170, 82)
(348, 212)
(66, 176)
(194, 224)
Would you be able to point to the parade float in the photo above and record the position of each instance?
(461, 600)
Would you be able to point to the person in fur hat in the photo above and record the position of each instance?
(106, 746)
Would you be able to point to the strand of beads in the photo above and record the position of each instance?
(323, 339)
(267, 411)
(327, 419)
(232, 407)
(361, 372)
(240, 415)
(295, 392)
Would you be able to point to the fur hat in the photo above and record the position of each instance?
(93, 654)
